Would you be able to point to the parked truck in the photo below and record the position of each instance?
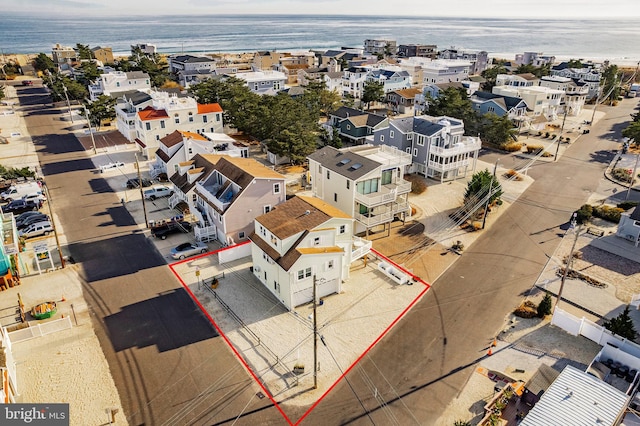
(19, 190)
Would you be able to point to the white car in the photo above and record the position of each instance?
(109, 166)
(157, 192)
(37, 229)
(36, 197)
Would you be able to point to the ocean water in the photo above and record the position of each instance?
(617, 39)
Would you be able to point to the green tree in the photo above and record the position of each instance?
(318, 97)
(544, 308)
(575, 63)
(101, 109)
(372, 91)
(2, 93)
(43, 63)
(537, 71)
(622, 325)
(57, 84)
(83, 51)
(632, 131)
(90, 72)
(496, 130)
(610, 83)
(461, 423)
(490, 75)
(454, 102)
(478, 188)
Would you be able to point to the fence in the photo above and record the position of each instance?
(592, 331)
(39, 330)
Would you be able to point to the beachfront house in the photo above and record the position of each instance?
(420, 50)
(263, 82)
(179, 63)
(304, 242)
(587, 74)
(226, 194)
(380, 47)
(436, 146)
(367, 182)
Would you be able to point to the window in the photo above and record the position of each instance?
(266, 209)
(410, 136)
(190, 117)
(307, 272)
(415, 152)
(420, 140)
(162, 124)
(241, 235)
(330, 264)
(304, 273)
(335, 197)
(217, 118)
(190, 150)
(176, 119)
(276, 188)
(391, 134)
(367, 186)
(204, 119)
(381, 138)
(255, 86)
(316, 241)
(148, 126)
(342, 229)
(348, 184)
(348, 127)
(387, 176)
(276, 287)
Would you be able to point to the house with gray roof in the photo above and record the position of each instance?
(485, 102)
(587, 74)
(436, 145)
(367, 182)
(391, 80)
(115, 82)
(356, 125)
(190, 63)
(629, 226)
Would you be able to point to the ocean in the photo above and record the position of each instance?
(617, 40)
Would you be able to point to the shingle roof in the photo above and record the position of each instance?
(508, 102)
(171, 139)
(191, 59)
(408, 93)
(136, 74)
(372, 120)
(343, 162)
(204, 162)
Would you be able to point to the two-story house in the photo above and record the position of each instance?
(380, 47)
(479, 58)
(167, 113)
(102, 54)
(541, 100)
(366, 182)
(420, 50)
(517, 80)
(537, 59)
(179, 63)
(115, 82)
(390, 79)
(436, 146)
(226, 194)
(127, 106)
(304, 242)
(179, 146)
(63, 55)
(587, 74)
(485, 102)
(402, 101)
(354, 124)
(263, 82)
(265, 60)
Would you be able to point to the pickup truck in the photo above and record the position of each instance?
(168, 228)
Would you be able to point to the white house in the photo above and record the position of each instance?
(302, 243)
(116, 82)
(165, 114)
(263, 82)
(179, 63)
(541, 100)
(587, 74)
(517, 80)
(390, 79)
(366, 182)
(575, 92)
(353, 80)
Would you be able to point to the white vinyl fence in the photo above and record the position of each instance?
(39, 329)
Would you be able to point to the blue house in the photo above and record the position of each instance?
(485, 102)
(356, 125)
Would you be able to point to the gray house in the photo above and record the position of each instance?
(437, 145)
(356, 125)
(512, 107)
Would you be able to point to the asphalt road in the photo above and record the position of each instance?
(426, 359)
(171, 368)
(168, 363)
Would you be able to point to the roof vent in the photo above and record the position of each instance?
(307, 212)
(355, 167)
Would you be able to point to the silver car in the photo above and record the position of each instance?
(188, 249)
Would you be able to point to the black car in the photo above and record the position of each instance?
(24, 221)
(20, 206)
(135, 183)
(168, 228)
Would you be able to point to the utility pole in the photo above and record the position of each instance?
(486, 206)
(53, 224)
(560, 135)
(315, 336)
(68, 103)
(93, 141)
(144, 205)
(570, 260)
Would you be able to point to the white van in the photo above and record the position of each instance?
(37, 229)
(17, 191)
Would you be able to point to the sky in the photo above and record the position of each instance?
(561, 9)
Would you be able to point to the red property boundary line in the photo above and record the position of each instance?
(415, 278)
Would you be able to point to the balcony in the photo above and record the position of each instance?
(361, 247)
(455, 165)
(206, 193)
(387, 194)
(467, 145)
(383, 216)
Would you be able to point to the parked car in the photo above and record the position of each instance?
(27, 83)
(157, 192)
(36, 229)
(174, 227)
(135, 183)
(20, 206)
(109, 166)
(24, 216)
(40, 217)
(37, 198)
(188, 249)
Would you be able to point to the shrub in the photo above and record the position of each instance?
(544, 308)
(512, 147)
(611, 214)
(547, 154)
(626, 205)
(547, 134)
(535, 149)
(584, 213)
(512, 174)
(527, 310)
(539, 133)
(418, 184)
(623, 175)
(622, 325)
